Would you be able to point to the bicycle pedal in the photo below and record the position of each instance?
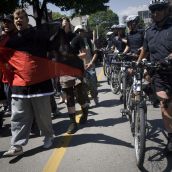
(124, 111)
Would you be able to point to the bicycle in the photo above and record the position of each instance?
(124, 79)
(135, 108)
(136, 105)
(114, 79)
(106, 62)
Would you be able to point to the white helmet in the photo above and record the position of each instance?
(132, 18)
(114, 26)
(78, 27)
(158, 4)
(121, 26)
(109, 33)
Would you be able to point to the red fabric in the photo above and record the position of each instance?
(22, 69)
(3, 41)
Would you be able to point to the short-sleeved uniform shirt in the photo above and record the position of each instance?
(119, 44)
(135, 40)
(158, 42)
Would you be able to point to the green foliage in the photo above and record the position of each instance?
(103, 20)
(141, 24)
(56, 15)
(82, 7)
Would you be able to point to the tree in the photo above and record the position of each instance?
(56, 15)
(102, 21)
(81, 7)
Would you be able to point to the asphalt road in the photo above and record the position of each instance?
(103, 144)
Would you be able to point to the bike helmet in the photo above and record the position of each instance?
(121, 26)
(132, 18)
(78, 28)
(114, 26)
(109, 33)
(158, 4)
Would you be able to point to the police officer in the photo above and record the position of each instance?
(109, 40)
(158, 42)
(119, 41)
(134, 37)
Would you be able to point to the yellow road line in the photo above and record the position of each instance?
(100, 76)
(58, 153)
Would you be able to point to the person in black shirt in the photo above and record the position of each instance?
(134, 37)
(73, 86)
(158, 42)
(119, 41)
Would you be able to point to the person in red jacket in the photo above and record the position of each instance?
(8, 29)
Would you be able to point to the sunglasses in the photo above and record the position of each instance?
(153, 10)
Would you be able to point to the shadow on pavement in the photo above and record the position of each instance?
(92, 138)
(103, 91)
(109, 103)
(76, 140)
(156, 159)
(27, 154)
(156, 153)
(103, 123)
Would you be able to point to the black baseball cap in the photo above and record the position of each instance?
(8, 18)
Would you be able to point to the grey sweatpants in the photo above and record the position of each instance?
(23, 111)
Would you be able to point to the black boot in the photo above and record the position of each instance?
(84, 116)
(73, 126)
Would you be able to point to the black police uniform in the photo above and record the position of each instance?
(135, 40)
(158, 42)
(119, 44)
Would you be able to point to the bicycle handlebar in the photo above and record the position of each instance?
(145, 64)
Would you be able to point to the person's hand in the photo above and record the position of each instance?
(82, 55)
(89, 65)
(130, 71)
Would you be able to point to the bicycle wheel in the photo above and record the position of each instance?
(108, 71)
(124, 89)
(114, 84)
(130, 107)
(140, 136)
(104, 67)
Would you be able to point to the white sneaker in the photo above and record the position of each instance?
(48, 142)
(13, 151)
